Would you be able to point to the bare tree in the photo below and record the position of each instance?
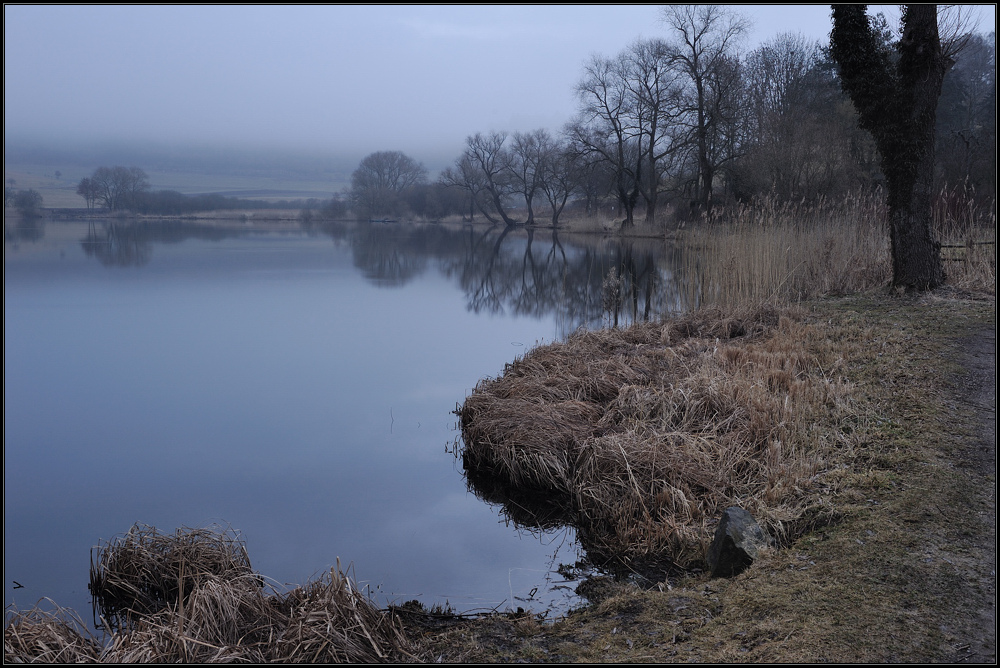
(896, 96)
(526, 165)
(558, 180)
(485, 161)
(966, 119)
(798, 144)
(379, 182)
(704, 39)
(655, 86)
(88, 190)
(27, 202)
(467, 176)
(118, 187)
(606, 129)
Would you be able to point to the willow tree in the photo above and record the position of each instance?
(895, 92)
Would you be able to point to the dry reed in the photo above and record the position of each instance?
(191, 596)
(143, 570)
(644, 435)
(967, 230)
(784, 252)
(640, 436)
(40, 635)
(326, 621)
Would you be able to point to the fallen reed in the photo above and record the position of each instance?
(643, 435)
(48, 635)
(191, 596)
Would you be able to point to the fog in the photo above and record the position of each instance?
(350, 79)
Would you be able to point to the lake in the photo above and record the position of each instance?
(295, 384)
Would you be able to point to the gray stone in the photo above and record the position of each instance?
(737, 543)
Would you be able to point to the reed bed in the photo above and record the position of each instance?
(191, 596)
(967, 230)
(644, 435)
(785, 252)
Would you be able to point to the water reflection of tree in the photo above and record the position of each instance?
(125, 243)
(118, 244)
(23, 228)
(532, 272)
(388, 254)
(520, 271)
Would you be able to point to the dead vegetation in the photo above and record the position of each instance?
(191, 596)
(639, 437)
(48, 636)
(643, 436)
(900, 563)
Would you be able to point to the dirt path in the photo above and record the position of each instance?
(977, 390)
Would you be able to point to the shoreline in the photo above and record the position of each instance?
(899, 570)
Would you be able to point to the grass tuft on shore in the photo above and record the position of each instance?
(191, 596)
(644, 435)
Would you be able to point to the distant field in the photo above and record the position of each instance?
(61, 192)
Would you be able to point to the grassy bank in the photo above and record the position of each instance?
(858, 425)
(900, 566)
(643, 436)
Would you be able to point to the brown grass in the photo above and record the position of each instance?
(786, 252)
(143, 570)
(644, 435)
(899, 566)
(191, 596)
(41, 635)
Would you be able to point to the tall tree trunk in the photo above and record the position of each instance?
(897, 103)
(922, 67)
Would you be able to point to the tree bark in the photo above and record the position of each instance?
(897, 103)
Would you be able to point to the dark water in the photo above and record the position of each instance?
(297, 386)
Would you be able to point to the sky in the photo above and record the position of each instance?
(357, 79)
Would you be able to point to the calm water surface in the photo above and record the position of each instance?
(297, 386)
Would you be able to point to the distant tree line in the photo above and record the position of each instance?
(687, 121)
(127, 189)
(681, 124)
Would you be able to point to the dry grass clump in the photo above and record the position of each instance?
(143, 570)
(644, 435)
(41, 635)
(215, 610)
(327, 621)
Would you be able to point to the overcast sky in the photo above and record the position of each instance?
(350, 78)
